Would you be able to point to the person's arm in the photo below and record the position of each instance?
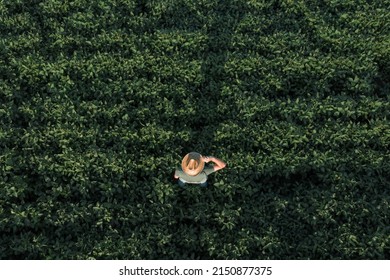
(175, 176)
(219, 164)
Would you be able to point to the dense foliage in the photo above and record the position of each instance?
(100, 100)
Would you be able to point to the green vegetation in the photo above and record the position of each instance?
(100, 101)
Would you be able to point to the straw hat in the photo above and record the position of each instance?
(192, 163)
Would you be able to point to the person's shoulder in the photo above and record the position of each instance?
(178, 170)
(208, 169)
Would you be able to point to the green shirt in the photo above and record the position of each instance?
(197, 179)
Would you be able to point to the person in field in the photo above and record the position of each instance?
(194, 171)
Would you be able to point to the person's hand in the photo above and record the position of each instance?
(206, 159)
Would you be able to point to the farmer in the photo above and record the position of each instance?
(194, 171)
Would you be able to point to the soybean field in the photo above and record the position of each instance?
(100, 100)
